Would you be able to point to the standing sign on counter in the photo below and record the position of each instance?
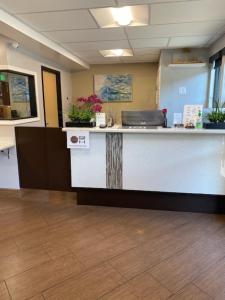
(100, 119)
(191, 113)
(78, 139)
(177, 118)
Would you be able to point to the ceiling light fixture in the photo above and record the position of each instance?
(117, 52)
(122, 15)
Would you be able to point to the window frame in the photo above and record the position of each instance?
(21, 71)
(216, 78)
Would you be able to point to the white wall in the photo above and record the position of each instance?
(9, 175)
(195, 80)
(26, 61)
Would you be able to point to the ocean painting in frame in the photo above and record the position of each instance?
(113, 88)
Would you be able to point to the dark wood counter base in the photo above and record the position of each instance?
(152, 200)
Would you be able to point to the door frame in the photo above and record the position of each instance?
(59, 93)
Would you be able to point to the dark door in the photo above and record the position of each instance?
(44, 160)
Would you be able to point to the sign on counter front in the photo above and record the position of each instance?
(78, 139)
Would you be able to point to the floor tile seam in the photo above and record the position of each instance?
(66, 219)
(21, 250)
(75, 257)
(60, 223)
(127, 280)
(107, 260)
(206, 293)
(7, 289)
(148, 269)
(26, 232)
(31, 247)
(112, 290)
(20, 273)
(117, 233)
(30, 232)
(71, 276)
(54, 285)
(193, 279)
(204, 271)
(186, 285)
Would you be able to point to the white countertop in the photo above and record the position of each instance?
(6, 145)
(18, 122)
(119, 129)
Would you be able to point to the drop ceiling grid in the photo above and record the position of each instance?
(34, 6)
(172, 23)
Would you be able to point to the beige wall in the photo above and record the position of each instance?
(144, 85)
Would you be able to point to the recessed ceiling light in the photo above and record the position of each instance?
(122, 15)
(109, 17)
(116, 52)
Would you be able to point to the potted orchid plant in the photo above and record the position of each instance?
(82, 114)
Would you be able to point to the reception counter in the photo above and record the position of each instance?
(184, 161)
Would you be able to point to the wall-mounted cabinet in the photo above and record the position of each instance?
(17, 96)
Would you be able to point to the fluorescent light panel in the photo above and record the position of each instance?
(137, 15)
(116, 52)
(122, 15)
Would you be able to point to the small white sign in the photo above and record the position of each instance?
(78, 139)
(177, 118)
(100, 119)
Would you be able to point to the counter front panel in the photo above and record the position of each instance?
(189, 163)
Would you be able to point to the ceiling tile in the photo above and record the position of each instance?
(147, 57)
(150, 51)
(188, 11)
(105, 45)
(61, 20)
(169, 30)
(149, 43)
(28, 6)
(89, 53)
(87, 35)
(132, 2)
(103, 60)
(136, 2)
(135, 59)
(195, 41)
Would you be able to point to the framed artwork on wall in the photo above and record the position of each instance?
(19, 87)
(114, 87)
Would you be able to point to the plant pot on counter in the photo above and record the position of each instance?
(79, 123)
(214, 125)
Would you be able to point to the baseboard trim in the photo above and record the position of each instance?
(152, 200)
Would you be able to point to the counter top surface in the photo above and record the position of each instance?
(160, 130)
(18, 122)
(6, 145)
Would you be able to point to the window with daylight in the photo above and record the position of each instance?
(217, 79)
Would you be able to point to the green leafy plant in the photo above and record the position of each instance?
(218, 113)
(80, 114)
(85, 108)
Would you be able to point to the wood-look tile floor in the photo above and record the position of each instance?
(52, 249)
